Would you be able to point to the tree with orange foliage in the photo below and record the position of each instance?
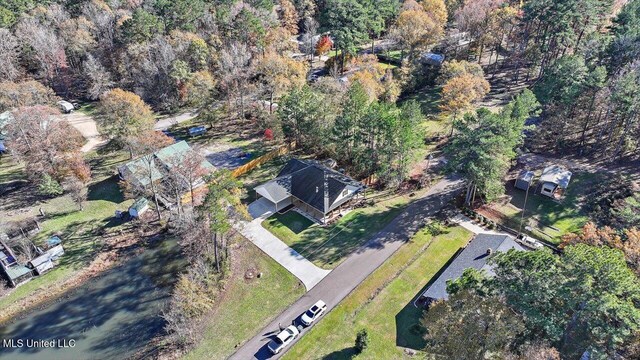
(627, 240)
(460, 93)
(123, 116)
(324, 45)
(280, 74)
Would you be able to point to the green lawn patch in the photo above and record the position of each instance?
(80, 230)
(328, 246)
(550, 219)
(10, 170)
(383, 304)
(428, 98)
(248, 305)
(291, 221)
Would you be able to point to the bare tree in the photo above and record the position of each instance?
(148, 144)
(46, 144)
(99, 79)
(9, 68)
(48, 50)
(77, 190)
(235, 61)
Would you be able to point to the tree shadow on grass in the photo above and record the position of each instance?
(409, 331)
(106, 189)
(344, 354)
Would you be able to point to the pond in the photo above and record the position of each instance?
(111, 317)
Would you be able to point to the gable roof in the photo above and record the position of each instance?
(165, 158)
(556, 174)
(474, 255)
(311, 182)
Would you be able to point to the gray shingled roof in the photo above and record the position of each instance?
(311, 182)
(556, 174)
(473, 256)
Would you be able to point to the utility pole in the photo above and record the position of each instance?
(524, 208)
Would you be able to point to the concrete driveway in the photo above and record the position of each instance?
(87, 126)
(298, 265)
(344, 278)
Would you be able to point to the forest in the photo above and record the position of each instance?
(376, 85)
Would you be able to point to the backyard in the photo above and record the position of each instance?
(247, 305)
(83, 232)
(548, 219)
(383, 303)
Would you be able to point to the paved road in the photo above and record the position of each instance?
(167, 122)
(298, 265)
(343, 279)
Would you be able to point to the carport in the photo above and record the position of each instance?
(275, 193)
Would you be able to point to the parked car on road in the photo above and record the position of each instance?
(313, 313)
(283, 339)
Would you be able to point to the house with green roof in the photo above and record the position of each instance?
(139, 174)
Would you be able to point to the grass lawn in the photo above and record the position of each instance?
(10, 170)
(79, 230)
(428, 98)
(549, 219)
(328, 246)
(247, 306)
(383, 304)
(291, 221)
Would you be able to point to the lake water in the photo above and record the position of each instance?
(110, 317)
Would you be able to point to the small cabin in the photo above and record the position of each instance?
(524, 180)
(139, 207)
(554, 181)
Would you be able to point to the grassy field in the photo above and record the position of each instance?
(383, 304)
(248, 305)
(79, 230)
(549, 219)
(328, 246)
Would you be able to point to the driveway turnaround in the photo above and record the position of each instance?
(298, 265)
(343, 279)
(86, 125)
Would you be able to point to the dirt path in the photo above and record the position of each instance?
(87, 126)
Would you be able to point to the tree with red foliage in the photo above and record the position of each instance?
(268, 134)
(324, 45)
(46, 144)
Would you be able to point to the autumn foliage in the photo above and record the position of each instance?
(324, 45)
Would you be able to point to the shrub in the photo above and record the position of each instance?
(362, 341)
(49, 186)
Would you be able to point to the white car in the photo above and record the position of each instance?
(313, 313)
(283, 339)
(530, 242)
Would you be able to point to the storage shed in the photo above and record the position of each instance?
(41, 264)
(139, 207)
(524, 180)
(554, 180)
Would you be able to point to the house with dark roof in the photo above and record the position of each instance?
(475, 255)
(136, 172)
(311, 187)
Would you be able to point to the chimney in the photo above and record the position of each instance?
(489, 251)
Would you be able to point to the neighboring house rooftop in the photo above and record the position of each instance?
(311, 182)
(136, 171)
(556, 174)
(474, 255)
